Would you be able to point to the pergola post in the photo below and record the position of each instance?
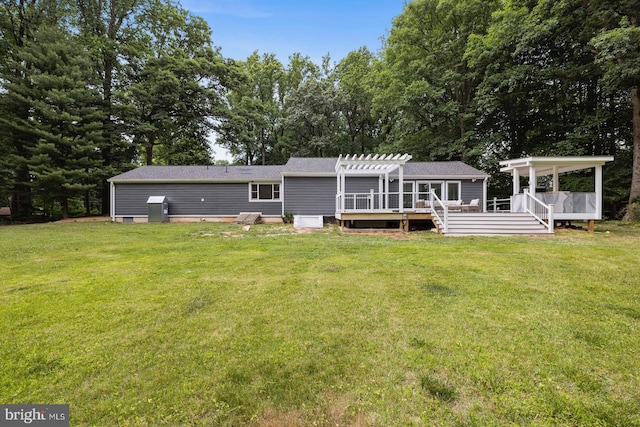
(516, 181)
(401, 187)
(556, 182)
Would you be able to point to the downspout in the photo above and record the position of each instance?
(112, 198)
(282, 196)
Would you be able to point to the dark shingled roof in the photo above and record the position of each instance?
(201, 173)
(311, 165)
(453, 168)
(295, 165)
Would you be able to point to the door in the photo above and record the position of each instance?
(425, 187)
(408, 200)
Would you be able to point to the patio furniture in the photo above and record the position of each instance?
(473, 206)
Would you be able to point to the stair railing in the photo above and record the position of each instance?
(439, 210)
(539, 210)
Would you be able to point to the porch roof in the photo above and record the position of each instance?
(549, 165)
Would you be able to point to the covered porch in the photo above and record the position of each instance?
(566, 205)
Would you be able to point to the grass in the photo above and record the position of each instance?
(206, 324)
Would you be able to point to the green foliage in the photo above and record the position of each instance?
(287, 218)
(426, 86)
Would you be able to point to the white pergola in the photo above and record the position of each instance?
(380, 165)
(535, 167)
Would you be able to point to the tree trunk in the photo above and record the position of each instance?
(635, 177)
(151, 140)
(65, 207)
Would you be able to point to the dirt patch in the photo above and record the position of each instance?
(88, 219)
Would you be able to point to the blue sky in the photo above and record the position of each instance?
(310, 27)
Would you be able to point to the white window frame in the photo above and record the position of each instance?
(459, 183)
(430, 183)
(258, 199)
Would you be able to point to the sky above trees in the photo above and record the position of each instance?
(285, 27)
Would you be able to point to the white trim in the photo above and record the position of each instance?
(484, 194)
(598, 185)
(272, 183)
(446, 184)
(545, 165)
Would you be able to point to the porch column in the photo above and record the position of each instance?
(401, 187)
(532, 180)
(342, 190)
(484, 194)
(598, 192)
(556, 184)
(516, 181)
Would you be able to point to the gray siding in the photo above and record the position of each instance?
(225, 199)
(310, 196)
(361, 184)
(471, 190)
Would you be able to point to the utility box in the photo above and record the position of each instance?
(307, 221)
(158, 209)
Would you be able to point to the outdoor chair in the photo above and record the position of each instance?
(474, 205)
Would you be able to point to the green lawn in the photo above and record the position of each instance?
(206, 324)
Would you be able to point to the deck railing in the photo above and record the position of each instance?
(368, 202)
(539, 210)
(499, 205)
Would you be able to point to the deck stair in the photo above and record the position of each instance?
(493, 224)
(247, 218)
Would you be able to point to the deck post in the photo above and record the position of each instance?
(516, 181)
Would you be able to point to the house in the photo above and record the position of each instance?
(355, 190)
(374, 191)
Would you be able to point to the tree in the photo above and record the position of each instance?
(19, 21)
(314, 120)
(426, 86)
(355, 74)
(108, 28)
(618, 50)
(259, 102)
(256, 109)
(175, 88)
(64, 118)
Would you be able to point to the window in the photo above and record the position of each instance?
(453, 190)
(264, 192)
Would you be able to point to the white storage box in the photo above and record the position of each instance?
(307, 221)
